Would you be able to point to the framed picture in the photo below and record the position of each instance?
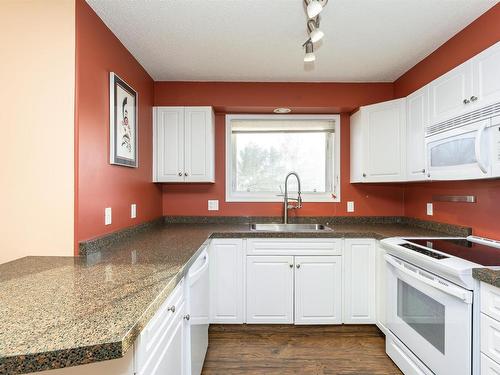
(123, 123)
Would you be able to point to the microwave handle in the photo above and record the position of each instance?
(477, 148)
(462, 295)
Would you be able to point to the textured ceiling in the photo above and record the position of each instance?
(260, 40)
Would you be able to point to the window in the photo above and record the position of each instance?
(262, 149)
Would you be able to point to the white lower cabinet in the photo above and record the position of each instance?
(490, 329)
(270, 289)
(359, 281)
(161, 348)
(226, 271)
(318, 292)
(294, 289)
(381, 288)
(170, 354)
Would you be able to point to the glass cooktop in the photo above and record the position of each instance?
(461, 248)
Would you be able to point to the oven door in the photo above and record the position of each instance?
(461, 153)
(431, 316)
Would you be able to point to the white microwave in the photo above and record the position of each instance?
(465, 152)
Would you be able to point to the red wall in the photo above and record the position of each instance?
(100, 184)
(482, 216)
(187, 200)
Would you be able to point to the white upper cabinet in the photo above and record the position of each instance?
(417, 118)
(378, 142)
(449, 95)
(486, 77)
(183, 139)
(471, 85)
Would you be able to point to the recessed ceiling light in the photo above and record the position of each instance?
(282, 110)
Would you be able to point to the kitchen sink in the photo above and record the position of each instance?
(289, 227)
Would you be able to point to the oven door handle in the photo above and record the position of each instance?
(453, 291)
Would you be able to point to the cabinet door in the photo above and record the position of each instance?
(226, 273)
(318, 290)
(381, 294)
(448, 92)
(359, 281)
(385, 142)
(417, 118)
(269, 289)
(486, 73)
(170, 356)
(168, 142)
(199, 144)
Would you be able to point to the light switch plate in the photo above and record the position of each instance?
(107, 216)
(350, 206)
(430, 209)
(213, 205)
(133, 211)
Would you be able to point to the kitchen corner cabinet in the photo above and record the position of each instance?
(226, 275)
(378, 142)
(183, 144)
(417, 118)
(359, 281)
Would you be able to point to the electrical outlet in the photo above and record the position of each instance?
(350, 206)
(430, 209)
(133, 211)
(213, 205)
(107, 216)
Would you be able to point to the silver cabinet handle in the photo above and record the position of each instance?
(298, 265)
(185, 174)
(180, 174)
(423, 170)
(187, 317)
(291, 265)
(364, 174)
(473, 98)
(171, 308)
(466, 101)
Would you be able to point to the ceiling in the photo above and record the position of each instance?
(260, 40)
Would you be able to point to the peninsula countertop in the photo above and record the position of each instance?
(64, 311)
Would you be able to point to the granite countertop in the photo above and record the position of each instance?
(64, 311)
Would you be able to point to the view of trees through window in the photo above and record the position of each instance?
(264, 159)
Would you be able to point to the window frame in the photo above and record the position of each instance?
(232, 196)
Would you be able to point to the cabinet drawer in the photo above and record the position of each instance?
(294, 246)
(490, 301)
(489, 367)
(490, 337)
(152, 334)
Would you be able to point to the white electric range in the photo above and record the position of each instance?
(432, 302)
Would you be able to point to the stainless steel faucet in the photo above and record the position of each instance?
(288, 206)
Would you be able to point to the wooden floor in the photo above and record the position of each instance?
(288, 349)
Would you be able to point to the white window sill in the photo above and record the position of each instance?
(263, 198)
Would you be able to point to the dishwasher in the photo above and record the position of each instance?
(199, 309)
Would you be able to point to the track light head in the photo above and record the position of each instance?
(314, 32)
(314, 8)
(310, 56)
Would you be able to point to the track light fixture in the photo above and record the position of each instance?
(310, 56)
(313, 9)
